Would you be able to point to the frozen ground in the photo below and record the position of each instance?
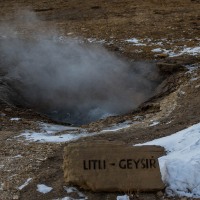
(180, 168)
(176, 51)
(54, 133)
(57, 133)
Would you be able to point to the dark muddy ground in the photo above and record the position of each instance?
(175, 104)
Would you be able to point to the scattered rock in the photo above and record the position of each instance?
(159, 194)
(8, 109)
(183, 198)
(15, 197)
(162, 55)
(2, 114)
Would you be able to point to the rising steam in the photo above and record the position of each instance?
(67, 79)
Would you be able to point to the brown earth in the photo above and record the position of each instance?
(175, 105)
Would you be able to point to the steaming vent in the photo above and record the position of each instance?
(68, 80)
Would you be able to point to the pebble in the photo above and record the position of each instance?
(15, 197)
(162, 55)
(8, 109)
(159, 194)
(2, 114)
(184, 198)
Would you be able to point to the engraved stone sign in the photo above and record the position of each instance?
(110, 166)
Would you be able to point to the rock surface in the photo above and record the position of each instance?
(111, 166)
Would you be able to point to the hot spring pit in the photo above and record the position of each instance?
(72, 82)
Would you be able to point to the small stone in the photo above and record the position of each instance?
(2, 114)
(162, 55)
(159, 194)
(6, 186)
(184, 198)
(8, 109)
(15, 197)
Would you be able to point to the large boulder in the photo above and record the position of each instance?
(110, 166)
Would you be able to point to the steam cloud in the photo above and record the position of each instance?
(66, 79)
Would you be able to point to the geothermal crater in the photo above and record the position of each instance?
(70, 81)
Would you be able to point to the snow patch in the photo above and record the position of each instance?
(43, 188)
(124, 197)
(191, 51)
(1, 186)
(25, 184)
(135, 42)
(94, 40)
(154, 123)
(174, 53)
(1, 166)
(73, 189)
(194, 79)
(157, 50)
(58, 134)
(180, 168)
(70, 189)
(118, 127)
(132, 40)
(52, 128)
(197, 86)
(18, 156)
(69, 198)
(2, 114)
(55, 133)
(45, 137)
(192, 68)
(15, 119)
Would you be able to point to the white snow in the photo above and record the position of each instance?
(192, 68)
(15, 119)
(43, 188)
(75, 190)
(157, 50)
(70, 189)
(176, 51)
(191, 51)
(70, 198)
(1, 166)
(194, 79)
(44, 137)
(18, 156)
(154, 123)
(1, 186)
(197, 86)
(52, 128)
(94, 40)
(169, 52)
(180, 168)
(124, 197)
(135, 42)
(25, 184)
(55, 133)
(117, 127)
(182, 50)
(58, 134)
(2, 114)
(132, 40)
